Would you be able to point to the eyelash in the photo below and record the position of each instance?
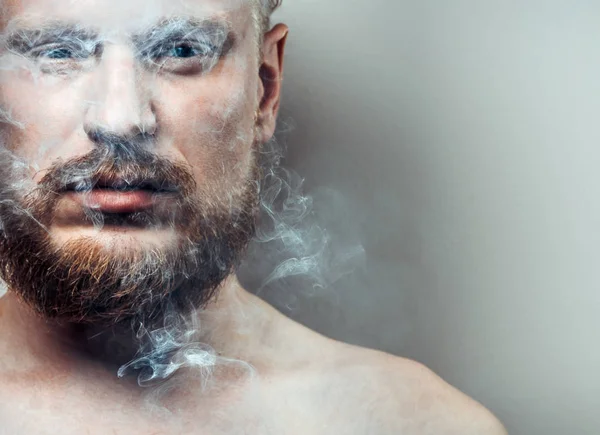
(202, 49)
(182, 56)
(158, 51)
(78, 52)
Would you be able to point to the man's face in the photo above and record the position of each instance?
(129, 150)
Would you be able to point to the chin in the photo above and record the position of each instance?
(117, 237)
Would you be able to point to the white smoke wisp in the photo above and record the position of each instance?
(15, 169)
(174, 357)
(167, 349)
(293, 253)
(296, 251)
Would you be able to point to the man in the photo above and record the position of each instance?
(131, 163)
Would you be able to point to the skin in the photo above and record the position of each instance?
(293, 380)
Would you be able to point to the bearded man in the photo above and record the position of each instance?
(131, 164)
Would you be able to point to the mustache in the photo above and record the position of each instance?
(118, 167)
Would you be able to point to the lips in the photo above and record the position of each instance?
(117, 195)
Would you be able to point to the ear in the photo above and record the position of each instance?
(271, 75)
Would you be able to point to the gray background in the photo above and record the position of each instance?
(463, 137)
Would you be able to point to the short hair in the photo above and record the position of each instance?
(267, 7)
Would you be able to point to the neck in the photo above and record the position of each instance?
(231, 326)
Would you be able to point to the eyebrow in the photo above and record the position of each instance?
(184, 25)
(213, 30)
(24, 39)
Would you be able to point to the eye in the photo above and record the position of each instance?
(63, 58)
(57, 53)
(183, 56)
(184, 50)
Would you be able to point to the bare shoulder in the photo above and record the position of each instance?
(411, 398)
(360, 391)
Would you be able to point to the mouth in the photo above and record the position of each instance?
(114, 195)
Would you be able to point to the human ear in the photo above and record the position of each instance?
(271, 75)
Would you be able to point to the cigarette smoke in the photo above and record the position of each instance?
(293, 255)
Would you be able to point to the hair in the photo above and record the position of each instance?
(267, 7)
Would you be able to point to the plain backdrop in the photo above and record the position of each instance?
(463, 137)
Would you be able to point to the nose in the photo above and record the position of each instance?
(121, 101)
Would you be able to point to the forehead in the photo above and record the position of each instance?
(120, 15)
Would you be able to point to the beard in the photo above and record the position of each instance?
(86, 282)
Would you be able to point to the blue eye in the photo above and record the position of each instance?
(58, 53)
(183, 51)
(181, 55)
(63, 52)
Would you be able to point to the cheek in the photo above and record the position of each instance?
(42, 116)
(212, 127)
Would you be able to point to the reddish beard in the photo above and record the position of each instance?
(87, 283)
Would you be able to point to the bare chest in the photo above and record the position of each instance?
(259, 412)
(25, 420)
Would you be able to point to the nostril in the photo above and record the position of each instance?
(94, 135)
(148, 130)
